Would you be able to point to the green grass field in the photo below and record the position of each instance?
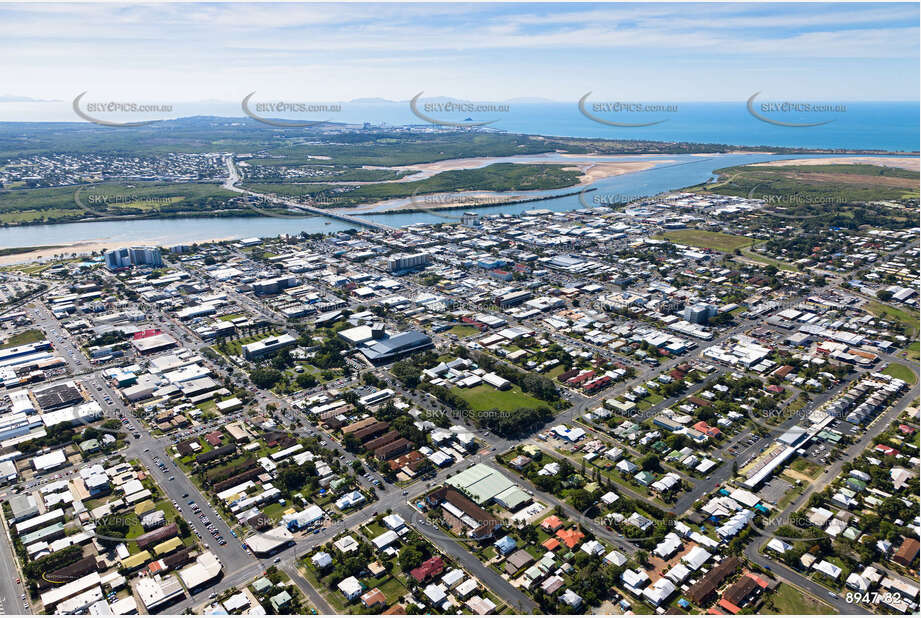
(485, 397)
(763, 259)
(830, 185)
(706, 240)
(789, 600)
(57, 204)
(804, 466)
(462, 330)
(902, 372)
(887, 312)
(29, 336)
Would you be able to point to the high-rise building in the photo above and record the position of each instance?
(407, 261)
(118, 258)
(133, 256)
(470, 219)
(699, 313)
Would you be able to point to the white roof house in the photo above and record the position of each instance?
(350, 588)
(827, 568)
(857, 582)
(616, 558)
(570, 598)
(659, 592)
(634, 579)
(321, 560)
(394, 521)
(678, 573)
(346, 544)
(350, 499)
(668, 546)
(696, 558)
(610, 498)
(435, 593)
(778, 545)
(387, 538)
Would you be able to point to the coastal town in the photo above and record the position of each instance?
(669, 406)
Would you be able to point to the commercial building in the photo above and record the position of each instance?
(206, 569)
(154, 343)
(396, 347)
(158, 591)
(270, 542)
(269, 345)
(273, 285)
(481, 483)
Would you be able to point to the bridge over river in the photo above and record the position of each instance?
(234, 177)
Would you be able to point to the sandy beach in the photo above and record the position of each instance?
(595, 171)
(436, 201)
(905, 163)
(583, 162)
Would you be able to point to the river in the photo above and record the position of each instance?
(681, 171)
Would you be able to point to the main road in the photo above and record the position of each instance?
(753, 549)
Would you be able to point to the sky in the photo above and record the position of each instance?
(194, 52)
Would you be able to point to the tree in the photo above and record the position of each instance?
(884, 295)
(264, 377)
(306, 380)
(410, 557)
(112, 530)
(582, 500)
(282, 360)
(351, 443)
(650, 463)
(293, 478)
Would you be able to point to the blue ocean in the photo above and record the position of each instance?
(860, 126)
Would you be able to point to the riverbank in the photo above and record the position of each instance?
(73, 250)
(912, 164)
(603, 165)
(592, 169)
(689, 171)
(419, 205)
